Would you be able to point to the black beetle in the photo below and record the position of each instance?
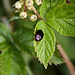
(39, 35)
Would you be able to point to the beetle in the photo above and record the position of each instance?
(39, 35)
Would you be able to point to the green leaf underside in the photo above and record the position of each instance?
(45, 48)
(12, 63)
(62, 19)
(47, 5)
(56, 59)
(72, 1)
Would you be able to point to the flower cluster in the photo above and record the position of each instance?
(22, 5)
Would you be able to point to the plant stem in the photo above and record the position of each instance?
(35, 11)
(24, 5)
(66, 60)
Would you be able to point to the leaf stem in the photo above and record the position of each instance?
(35, 11)
(66, 60)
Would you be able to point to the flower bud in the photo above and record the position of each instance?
(38, 2)
(29, 3)
(23, 14)
(33, 18)
(18, 5)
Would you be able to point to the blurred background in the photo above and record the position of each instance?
(20, 27)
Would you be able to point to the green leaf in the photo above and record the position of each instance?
(72, 1)
(45, 48)
(24, 39)
(56, 59)
(12, 63)
(3, 37)
(47, 5)
(62, 19)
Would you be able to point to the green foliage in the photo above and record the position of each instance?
(48, 5)
(15, 45)
(45, 48)
(23, 38)
(3, 37)
(3, 43)
(12, 62)
(62, 19)
(56, 59)
(72, 1)
(3, 30)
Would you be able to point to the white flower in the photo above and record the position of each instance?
(33, 18)
(23, 14)
(38, 2)
(18, 5)
(29, 3)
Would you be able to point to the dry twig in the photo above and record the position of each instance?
(66, 60)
